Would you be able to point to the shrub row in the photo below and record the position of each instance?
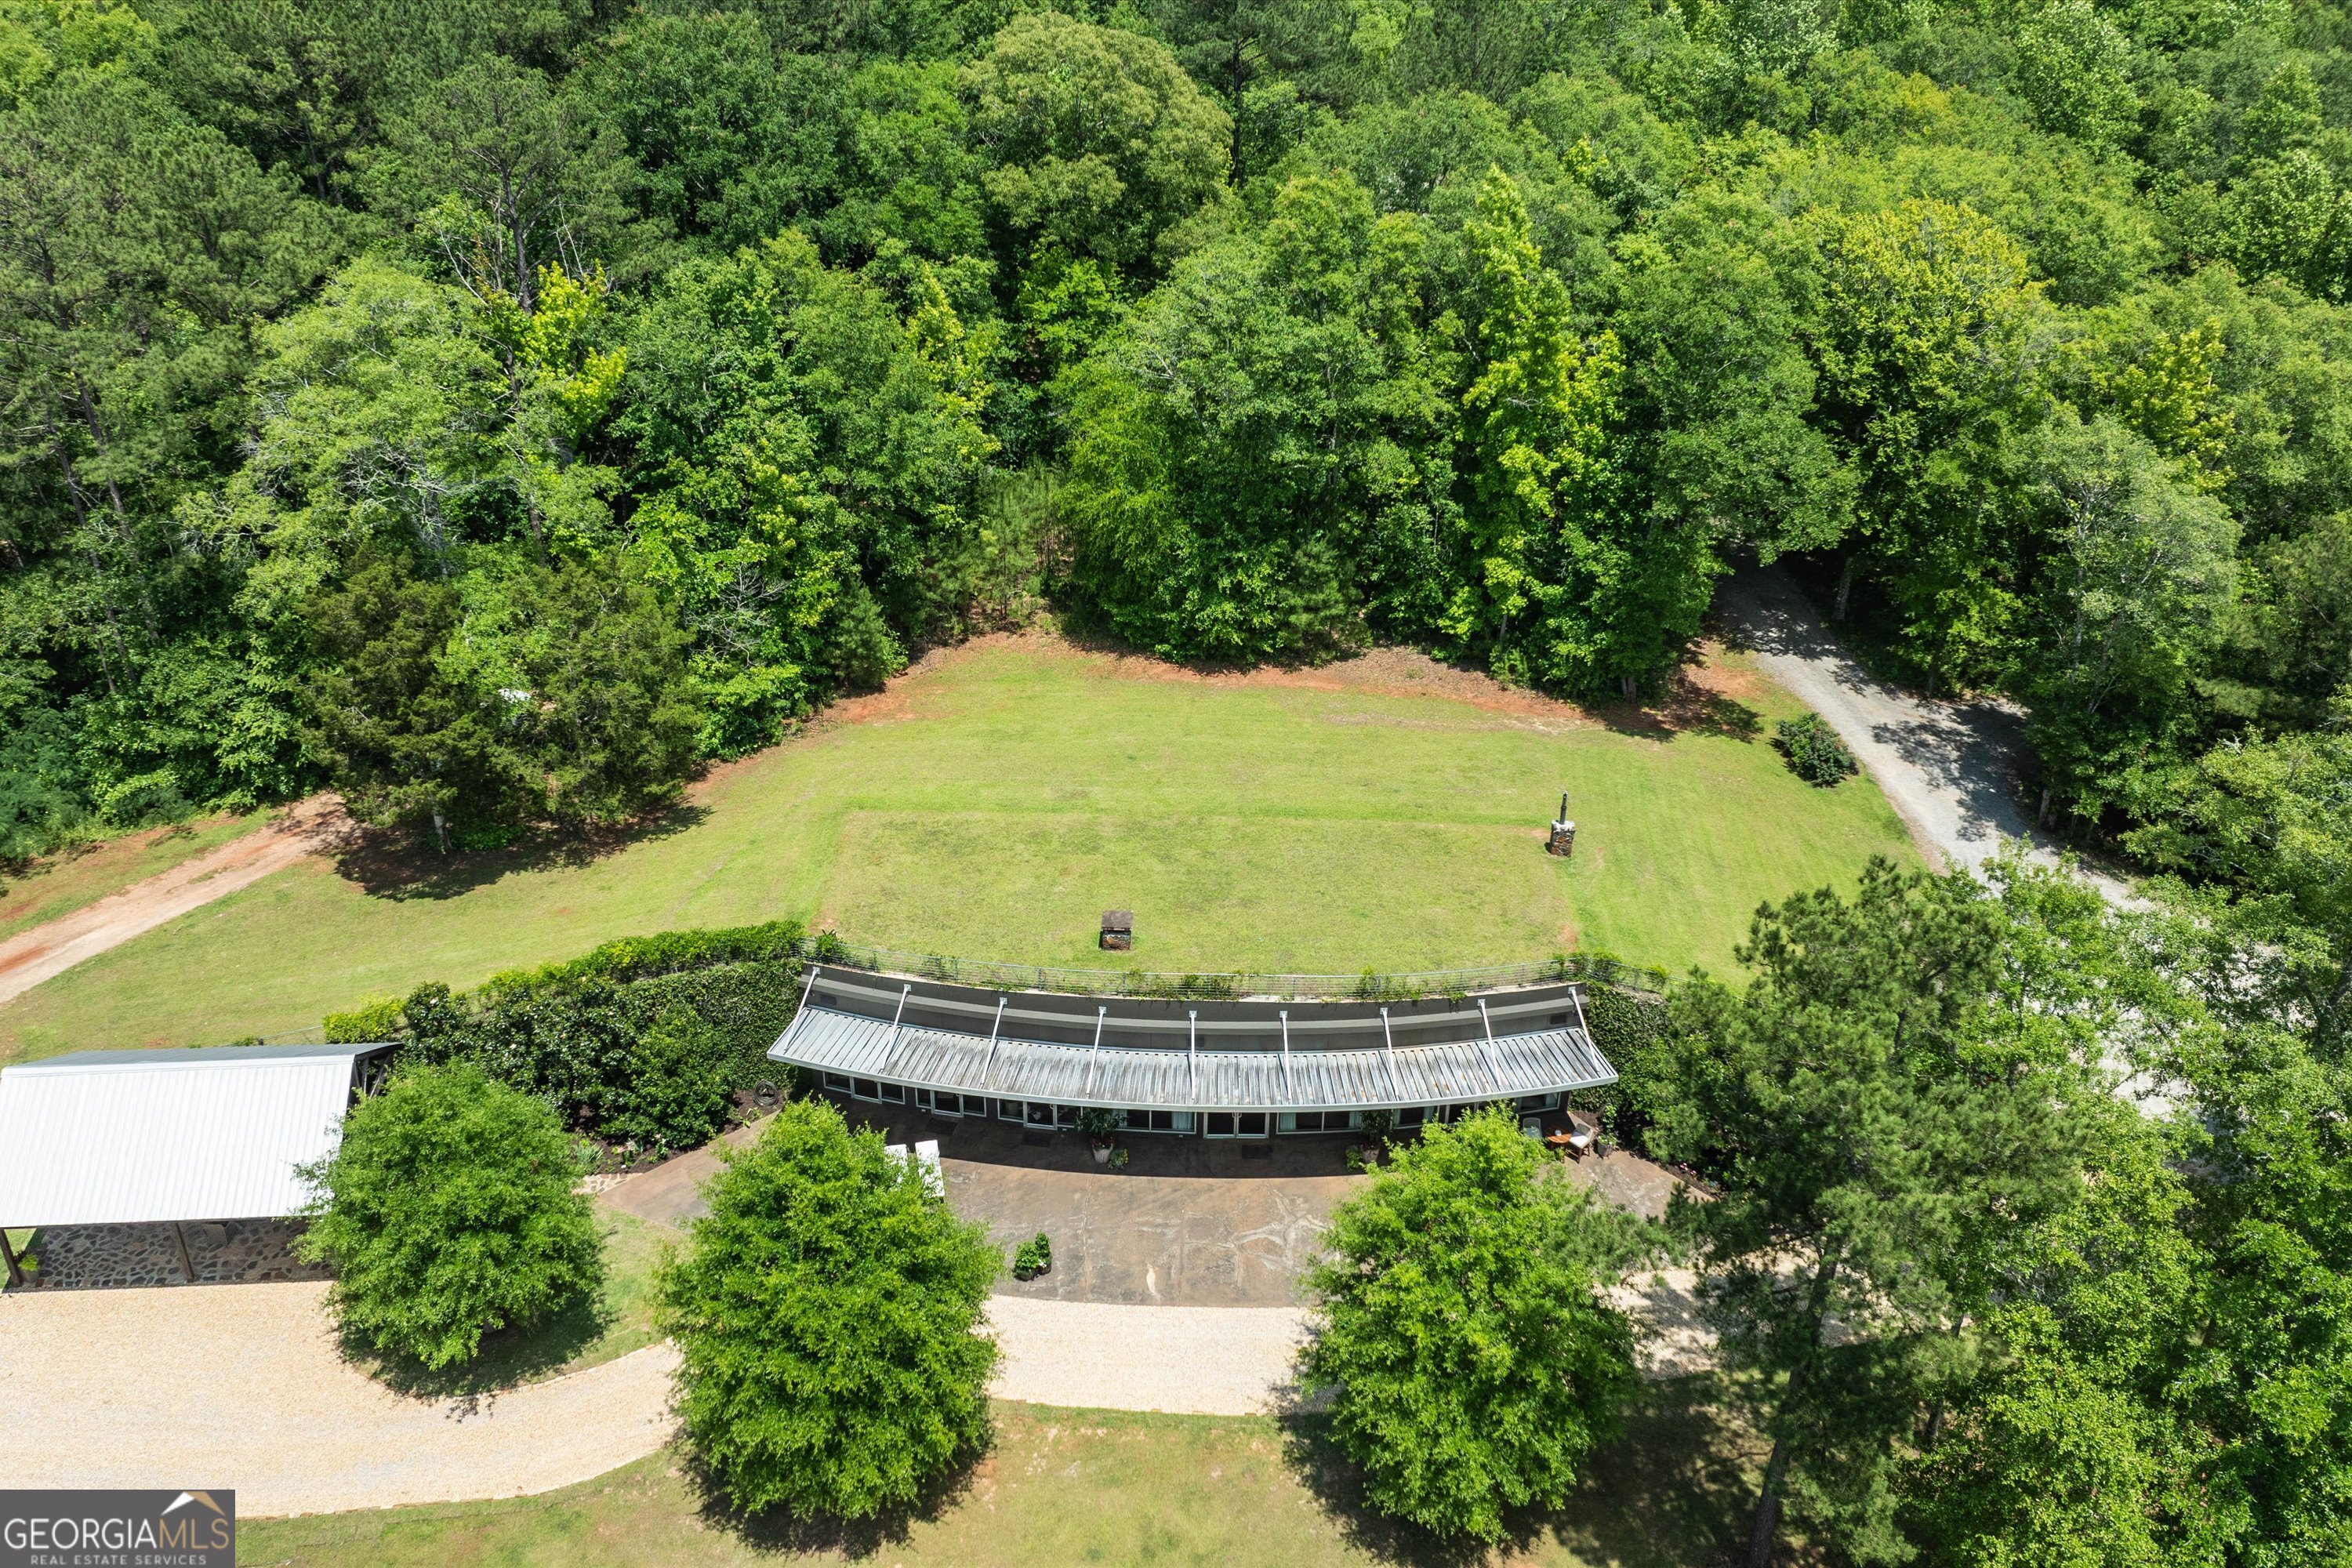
(626, 1041)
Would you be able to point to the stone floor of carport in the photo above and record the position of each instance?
(1190, 1222)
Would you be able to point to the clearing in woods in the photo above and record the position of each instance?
(1387, 812)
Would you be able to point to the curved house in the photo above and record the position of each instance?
(1216, 1069)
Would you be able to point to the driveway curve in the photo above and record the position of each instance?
(1950, 769)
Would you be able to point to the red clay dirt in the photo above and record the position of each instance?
(312, 826)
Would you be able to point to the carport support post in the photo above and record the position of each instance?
(15, 1275)
(187, 1269)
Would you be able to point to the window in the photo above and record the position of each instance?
(867, 1088)
(838, 1082)
(1066, 1116)
(1040, 1115)
(1252, 1123)
(1538, 1101)
(1009, 1111)
(1159, 1120)
(1411, 1115)
(896, 1094)
(1318, 1121)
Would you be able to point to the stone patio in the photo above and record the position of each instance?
(121, 1256)
(1190, 1222)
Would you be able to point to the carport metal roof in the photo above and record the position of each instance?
(117, 1137)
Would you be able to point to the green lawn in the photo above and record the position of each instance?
(1081, 1485)
(993, 803)
(58, 884)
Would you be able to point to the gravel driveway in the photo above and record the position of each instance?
(241, 1387)
(1950, 769)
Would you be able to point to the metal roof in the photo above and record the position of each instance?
(1474, 1068)
(117, 1137)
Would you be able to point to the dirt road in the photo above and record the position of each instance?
(307, 828)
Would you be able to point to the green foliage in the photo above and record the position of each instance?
(1098, 143)
(1814, 751)
(365, 1024)
(1034, 1256)
(645, 1036)
(448, 1213)
(1877, 1123)
(555, 694)
(674, 1096)
(1471, 1362)
(827, 1314)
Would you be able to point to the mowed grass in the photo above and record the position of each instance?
(1083, 1487)
(994, 801)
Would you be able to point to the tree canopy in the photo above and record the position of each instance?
(766, 346)
(448, 1213)
(1472, 1364)
(827, 1312)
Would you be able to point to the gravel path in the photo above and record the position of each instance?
(240, 1385)
(30, 957)
(1950, 769)
(1197, 1361)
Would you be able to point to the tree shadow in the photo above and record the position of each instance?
(778, 1533)
(508, 1358)
(392, 865)
(1670, 1492)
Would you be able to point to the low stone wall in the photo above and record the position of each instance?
(117, 1257)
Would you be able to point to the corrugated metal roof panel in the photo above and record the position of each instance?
(1543, 1062)
(110, 1139)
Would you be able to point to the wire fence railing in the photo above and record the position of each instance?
(1370, 986)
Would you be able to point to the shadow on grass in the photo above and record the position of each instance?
(1671, 1492)
(393, 865)
(779, 1534)
(509, 1356)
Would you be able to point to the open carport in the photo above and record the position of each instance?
(169, 1137)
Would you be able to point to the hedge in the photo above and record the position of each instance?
(567, 1031)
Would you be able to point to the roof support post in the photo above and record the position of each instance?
(187, 1269)
(1388, 1055)
(990, 1065)
(809, 984)
(1192, 1051)
(1094, 1057)
(16, 1274)
(1289, 1091)
(1493, 1072)
(897, 1031)
(1576, 994)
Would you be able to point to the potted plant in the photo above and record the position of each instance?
(1032, 1258)
(1099, 1125)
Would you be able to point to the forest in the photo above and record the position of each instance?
(494, 411)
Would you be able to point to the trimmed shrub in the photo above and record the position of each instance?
(449, 1213)
(1470, 1360)
(827, 1314)
(1814, 751)
(573, 1032)
(675, 1093)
